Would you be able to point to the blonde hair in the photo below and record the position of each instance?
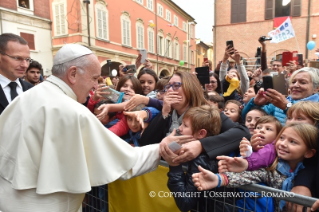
(204, 117)
(309, 109)
(307, 132)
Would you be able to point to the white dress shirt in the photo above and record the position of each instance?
(4, 82)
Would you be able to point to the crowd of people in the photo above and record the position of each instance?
(232, 126)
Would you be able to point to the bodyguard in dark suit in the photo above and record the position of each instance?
(14, 61)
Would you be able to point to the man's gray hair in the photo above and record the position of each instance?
(313, 72)
(81, 63)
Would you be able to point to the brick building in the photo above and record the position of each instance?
(244, 21)
(118, 29)
(32, 22)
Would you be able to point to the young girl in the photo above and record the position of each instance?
(294, 143)
(148, 80)
(233, 110)
(252, 117)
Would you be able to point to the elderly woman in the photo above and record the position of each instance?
(303, 85)
(183, 92)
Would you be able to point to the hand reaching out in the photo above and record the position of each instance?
(136, 100)
(100, 91)
(139, 115)
(243, 146)
(230, 164)
(205, 180)
(256, 142)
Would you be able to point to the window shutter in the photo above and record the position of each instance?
(99, 23)
(269, 8)
(128, 33)
(29, 38)
(238, 11)
(57, 20)
(124, 32)
(104, 24)
(62, 17)
(296, 8)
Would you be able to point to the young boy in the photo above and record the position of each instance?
(200, 122)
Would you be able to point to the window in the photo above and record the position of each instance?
(175, 20)
(59, 12)
(191, 31)
(168, 49)
(281, 8)
(238, 11)
(160, 45)
(184, 26)
(151, 40)
(150, 4)
(160, 10)
(140, 35)
(139, 1)
(126, 29)
(24, 4)
(168, 15)
(29, 38)
(184, 52)
(102, 21)
(177, 57)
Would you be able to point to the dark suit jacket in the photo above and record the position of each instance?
(3, 100)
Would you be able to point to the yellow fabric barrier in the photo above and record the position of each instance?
(134, 194)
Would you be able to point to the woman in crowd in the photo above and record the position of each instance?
(303, 86)
(214, 83)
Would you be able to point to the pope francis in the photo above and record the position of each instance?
(53, 149)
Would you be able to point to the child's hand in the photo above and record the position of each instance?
(168, 155)
(100, 91)
(256, 142)
(136, 100)
(139, 115)
(205, 180)
(243, 146)
(315, 205)
(105, 111)
(229, 164)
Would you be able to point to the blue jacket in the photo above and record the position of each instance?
(275, 111)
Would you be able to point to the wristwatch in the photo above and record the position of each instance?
(289, 104)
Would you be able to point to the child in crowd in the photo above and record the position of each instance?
(201, 122)
(233, 110)
(214, 98)
(148, 79)
(252, 117)
(160, 87)
(230, 85)
(110, 119)
(294, 143)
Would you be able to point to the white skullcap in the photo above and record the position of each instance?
(70, 52)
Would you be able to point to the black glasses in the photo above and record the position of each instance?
(175, 86)
(213, 82)
(18, 59)
(160, 91)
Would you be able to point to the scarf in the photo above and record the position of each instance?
(134, 137)
(176, 122)
(312, 98)
(284, 169)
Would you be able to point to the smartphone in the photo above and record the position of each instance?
(258, 51)
(174, 146)
(206, 60)
(267, 81)
(132, 67)
(143, 52)
(230, 44)
(202, 75)
(286, 58)
(277, 82)
(300, 59)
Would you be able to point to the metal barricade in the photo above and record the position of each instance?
(97, 199)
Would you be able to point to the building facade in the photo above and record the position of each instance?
(119, 29)
(31, 21)
(244, 21)
(201, 52)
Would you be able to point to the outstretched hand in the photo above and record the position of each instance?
(256, 141)
(243, 146)
(205, 180)
(139, 115)
(136, 100)
(230, 164)
(260, 98)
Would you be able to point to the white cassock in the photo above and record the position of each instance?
(53, 149)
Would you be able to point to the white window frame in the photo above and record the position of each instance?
(160, 10)
(140, 1)
(160, 45)
(126, 29)
(168, 48)
(102, 28)
(150, 4)
(150, 40)
(177, 50)
(175, 20)
(191, 31)
(184, 52)
(60, 22)
(31, 7)
(184, 26)
(139, 35)
(168, 15)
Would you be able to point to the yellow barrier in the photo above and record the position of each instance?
(135, 194)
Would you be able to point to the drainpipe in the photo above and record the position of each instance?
(88, 20)
(308, 27)
(156, 36)
(214, 34)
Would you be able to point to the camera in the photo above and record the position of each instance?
(264, 38)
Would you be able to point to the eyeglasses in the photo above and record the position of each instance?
(213, 82)
(175, 86)
(160, 91)
(276, 65)
(18, 59)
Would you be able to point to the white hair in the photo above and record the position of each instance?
(313, 72)
(81, 63)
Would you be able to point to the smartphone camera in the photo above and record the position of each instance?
(264, 38)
